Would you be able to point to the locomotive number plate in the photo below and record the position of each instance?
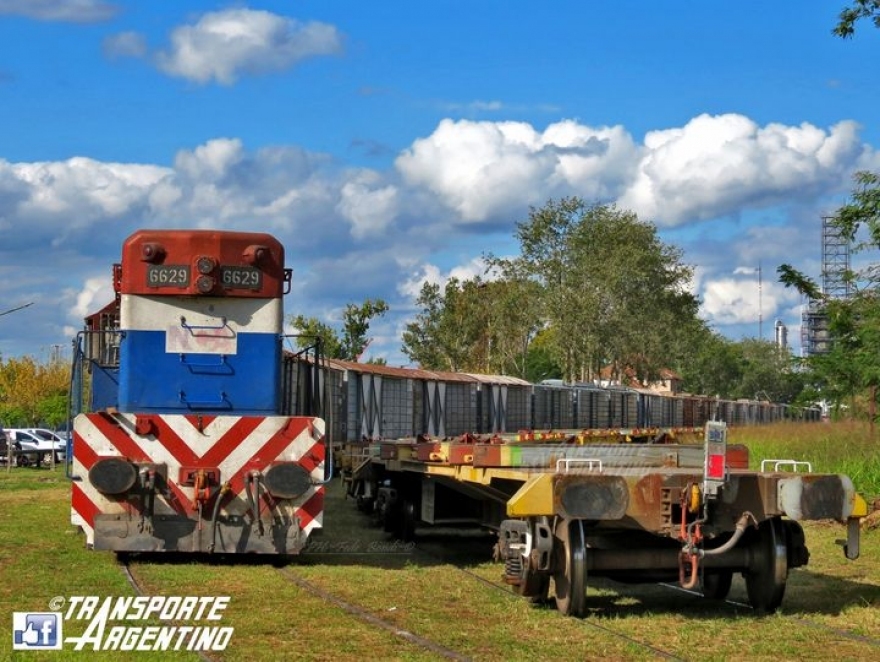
(167, 275)
(243, 278)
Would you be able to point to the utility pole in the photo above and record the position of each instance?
(760, 304)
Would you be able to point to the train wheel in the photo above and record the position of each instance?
(407, 525)
(534, 586)
(716, 585)
(570, 576)
(765, 581)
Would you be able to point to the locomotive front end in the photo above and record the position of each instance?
(190, 452)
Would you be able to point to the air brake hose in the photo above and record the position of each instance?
(214, 513)
(741, 525)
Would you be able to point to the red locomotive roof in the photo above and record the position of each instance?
(202, 262)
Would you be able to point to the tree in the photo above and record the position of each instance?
(540, 364)
(860, 9)
(708, 363)
(352, 341)
(310, 329)
(450, 331)
(612, 291)
(30, 392)
(852, 364)
(767, 372)
(356, 325)
(476, 325)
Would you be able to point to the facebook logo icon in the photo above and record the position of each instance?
(35, 631)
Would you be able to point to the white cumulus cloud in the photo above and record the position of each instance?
(483, 169)
(744, 300)
(369, 206)
(719, 165)
(223, 45)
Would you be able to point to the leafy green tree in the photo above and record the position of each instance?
(349, 343)
(767, 373)
(310, 329)
(540, 364)
(849, 16)
(356, 326)
(28, 389)
(476, 325)
(709, 365)
(450, 331)
(852, 365)
(613, 292)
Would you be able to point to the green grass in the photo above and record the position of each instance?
(274, 619)
(844, 447)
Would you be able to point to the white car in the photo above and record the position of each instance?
(38, 440)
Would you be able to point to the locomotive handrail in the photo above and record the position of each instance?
(201, 327)
(222, 402)
(794, 464)
(198, 364)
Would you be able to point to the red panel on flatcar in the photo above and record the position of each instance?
(202, 263)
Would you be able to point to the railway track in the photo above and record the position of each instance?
(800, 620)
(136, 585)
(733, 606)
(371, 619)
(434, 552)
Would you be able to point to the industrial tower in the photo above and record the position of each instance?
(835, 285)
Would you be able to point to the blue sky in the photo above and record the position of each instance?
(389, 143)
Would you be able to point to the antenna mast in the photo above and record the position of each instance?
(760, 304)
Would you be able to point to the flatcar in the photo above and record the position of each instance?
(182, 444)
(580, 480)
(568, 506)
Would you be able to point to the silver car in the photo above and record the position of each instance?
(31, 440)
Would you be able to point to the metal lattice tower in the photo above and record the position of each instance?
(835, 285)
(835, 261)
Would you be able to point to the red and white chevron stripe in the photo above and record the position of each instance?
(236, 445)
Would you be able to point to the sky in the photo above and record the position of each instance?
(386, 144)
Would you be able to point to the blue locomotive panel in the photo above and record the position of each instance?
(154, 380)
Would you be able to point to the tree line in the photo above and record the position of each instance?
(33, 393)
(593, 293)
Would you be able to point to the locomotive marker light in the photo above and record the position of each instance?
(715, 469)
(206, 265)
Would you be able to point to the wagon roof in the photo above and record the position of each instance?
(418, 373)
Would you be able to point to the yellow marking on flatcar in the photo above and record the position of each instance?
(534, 498)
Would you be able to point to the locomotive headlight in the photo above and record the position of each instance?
(287, 480)
(206, 265)
(152, 251)
(255, 254)
(113, 475)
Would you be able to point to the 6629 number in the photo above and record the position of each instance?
(246, 278)
(167, 275)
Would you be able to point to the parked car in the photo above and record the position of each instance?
(5, 440)
(29, 440)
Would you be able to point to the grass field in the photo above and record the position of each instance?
(828, 605)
